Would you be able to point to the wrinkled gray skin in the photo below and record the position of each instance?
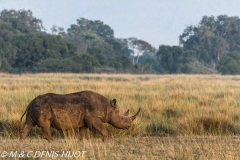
(81, 110)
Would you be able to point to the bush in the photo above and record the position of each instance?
(229, 64)
(207, 125)
(57, 65)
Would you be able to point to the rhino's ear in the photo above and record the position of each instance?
(113, 102)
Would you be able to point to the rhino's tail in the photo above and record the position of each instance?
(29, 105)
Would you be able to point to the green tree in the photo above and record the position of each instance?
(86, 32)
(102, 51)
(4, 65)
(165, 59)
(173, 59)
(138, 48)
(57, 65)
(88, 62)
(34, 47)
(22, 20)
(6, 31)
(96, 26)
(119, 46)
(149, 59)
(8, 50)
(212, 37)
(229, 63)
(121, 63)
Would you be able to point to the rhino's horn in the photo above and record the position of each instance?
(133, 117)
(126, 113)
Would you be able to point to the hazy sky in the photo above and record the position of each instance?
(155, 21)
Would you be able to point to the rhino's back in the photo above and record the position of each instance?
(67, 111)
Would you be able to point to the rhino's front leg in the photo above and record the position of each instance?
(98, 125)
(47, 133)
(82, 132)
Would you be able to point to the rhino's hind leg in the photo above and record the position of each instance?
(26, 128)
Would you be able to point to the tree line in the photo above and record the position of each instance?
(89, 46)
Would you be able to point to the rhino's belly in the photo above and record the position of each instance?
(66, 116)
(66, 124)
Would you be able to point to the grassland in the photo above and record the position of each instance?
(183, 116)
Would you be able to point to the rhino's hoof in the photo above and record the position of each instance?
(50, 140)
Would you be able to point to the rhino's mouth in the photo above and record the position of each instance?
(127, 127)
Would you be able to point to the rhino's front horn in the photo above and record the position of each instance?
(133, 117)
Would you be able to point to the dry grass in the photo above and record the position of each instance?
(153, 148)
(176, 109)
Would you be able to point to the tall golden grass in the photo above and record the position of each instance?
(172, 105)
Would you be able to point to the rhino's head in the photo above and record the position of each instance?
(118, 119)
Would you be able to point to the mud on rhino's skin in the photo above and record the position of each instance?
(83, 110)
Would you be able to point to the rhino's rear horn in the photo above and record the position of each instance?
(133, 117)
(126, 113)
